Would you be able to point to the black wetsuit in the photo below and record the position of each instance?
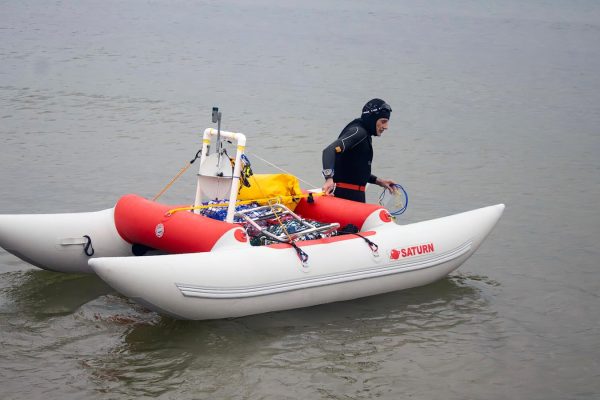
(350, 157)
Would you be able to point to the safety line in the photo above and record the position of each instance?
(281, 169)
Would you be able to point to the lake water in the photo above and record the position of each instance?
(493, 103)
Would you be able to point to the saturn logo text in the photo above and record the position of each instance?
(395, 254)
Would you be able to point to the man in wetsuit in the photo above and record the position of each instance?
(347, 161)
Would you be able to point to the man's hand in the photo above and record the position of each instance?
(386, 183)
(329, 186)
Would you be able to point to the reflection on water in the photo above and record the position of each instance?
(344, 341)
(40, 294)
(108, 344)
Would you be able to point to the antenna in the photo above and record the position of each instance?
(216, 117)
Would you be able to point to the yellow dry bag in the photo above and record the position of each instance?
(271, 188)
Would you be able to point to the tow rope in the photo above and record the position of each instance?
(181, 171)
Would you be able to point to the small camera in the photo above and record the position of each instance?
(215, 114)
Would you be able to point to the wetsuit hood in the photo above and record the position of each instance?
(374, 110)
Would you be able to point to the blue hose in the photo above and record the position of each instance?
(401, 210)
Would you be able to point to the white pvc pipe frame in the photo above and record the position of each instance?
(240, 139)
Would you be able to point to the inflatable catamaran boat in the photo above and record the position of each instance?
(273, 247)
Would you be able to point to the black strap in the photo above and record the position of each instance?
(87, 248)
(196, 157)
(301, 253)
(372, 245)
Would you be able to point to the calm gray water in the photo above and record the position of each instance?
(493, 103)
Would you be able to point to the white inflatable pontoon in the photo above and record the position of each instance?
(179, 262)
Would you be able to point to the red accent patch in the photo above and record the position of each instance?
(240, 235)
(385, 216)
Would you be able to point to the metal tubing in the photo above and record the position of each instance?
(240, 139)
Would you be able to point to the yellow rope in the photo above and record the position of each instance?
(172, 181)
(275, 213)
(278, 199)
